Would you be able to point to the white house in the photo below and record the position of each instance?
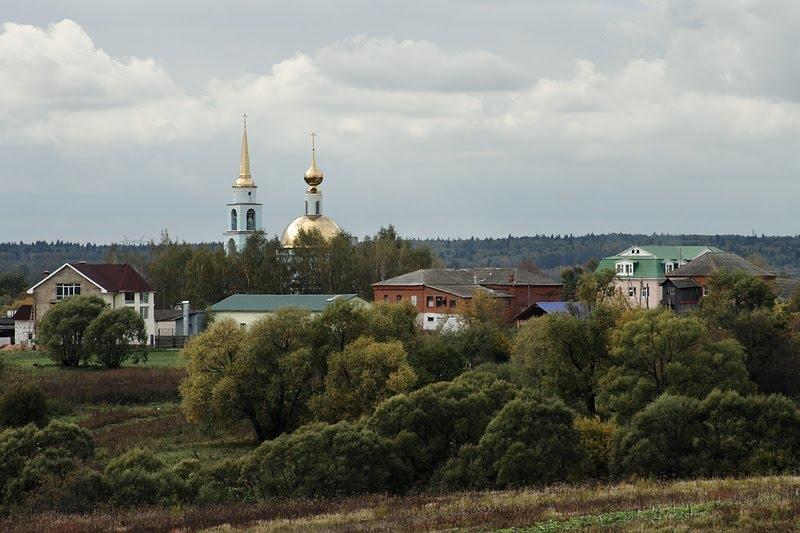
(119, 285)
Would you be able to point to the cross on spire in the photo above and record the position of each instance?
(244, 117)
(313, 139)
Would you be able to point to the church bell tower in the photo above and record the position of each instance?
(244, 213)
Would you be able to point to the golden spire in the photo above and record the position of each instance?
(244, 179)
(313, 175)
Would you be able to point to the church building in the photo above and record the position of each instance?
(244, 213)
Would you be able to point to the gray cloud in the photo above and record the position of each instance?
(438, 137)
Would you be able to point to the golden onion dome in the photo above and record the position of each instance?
(313, 175)
(326, 227)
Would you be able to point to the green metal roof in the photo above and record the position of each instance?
(652, 266)
(273, 302)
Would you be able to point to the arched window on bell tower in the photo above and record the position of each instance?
(251, 220)
(231, 246)
(234, 222)
(317, 207)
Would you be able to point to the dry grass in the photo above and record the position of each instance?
(766, 504)
(120, 386)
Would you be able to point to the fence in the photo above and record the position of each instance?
(170, 341)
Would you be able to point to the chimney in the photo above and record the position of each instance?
(185, 305)
(82, 262)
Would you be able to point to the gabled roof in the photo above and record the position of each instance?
(546, 308)
(711, 262)
(108, 277)
(23, 312)
(651, 263)
(681, 283)
(272, 302)
(468, 291)
(440, 277)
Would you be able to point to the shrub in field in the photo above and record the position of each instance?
(138, 477)
(110, 338)
(32, 459)
(21, 405)
(80, 491)
(359, 377)
(62, 328)
(429, 425)
(596, 439)
(748, 435)
(659, 440)
(322, 460)
(531, 441)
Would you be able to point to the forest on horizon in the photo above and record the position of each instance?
(550, 252)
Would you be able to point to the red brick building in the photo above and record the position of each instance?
(436, 292)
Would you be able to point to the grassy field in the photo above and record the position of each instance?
(39, 359)
(130, 407)
(755, 504)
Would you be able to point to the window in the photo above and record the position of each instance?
(430, 319)
(144, 297)
(669, 266)
(452, 303)
(429, 301)
(234, 221)
(705, 291)
(631, 292)
(385, 298)
(144, 312)
(243, 326)
(414, 300)
(231, 246)
(317, 202)
(251, 220)
(306, 207)
(65, 290)
(624, 268)
(399, 298)
(646, 291)
(129, 297)
(441, 301)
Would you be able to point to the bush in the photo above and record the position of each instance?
(531, 441)
(32, 459)
(435, 358)
(138, 478)
(431, 424)
(62, 328)
(596, 439)
(659, 441)
(23, 404)
(110, 337)
(322, 460)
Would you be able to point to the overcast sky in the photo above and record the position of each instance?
(444, 118)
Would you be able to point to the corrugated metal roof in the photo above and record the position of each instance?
(273, 302)
(467, 291)
(711, 262)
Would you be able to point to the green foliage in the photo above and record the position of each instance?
(321, 460)
(657, 352)
(596, 439)
(659, 441)
(431, 424)
(265, 376)
(339, 324)
(389, 322)
(725, 434)
(436, 358)
(110, 338)
(12, 284)
(34, 458)
(531, 441)
(360, 377)
(567, 353)
(62, 328)
(138, 478)
(23, 404)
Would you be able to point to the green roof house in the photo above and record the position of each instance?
(245, 309)
(641, 269)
